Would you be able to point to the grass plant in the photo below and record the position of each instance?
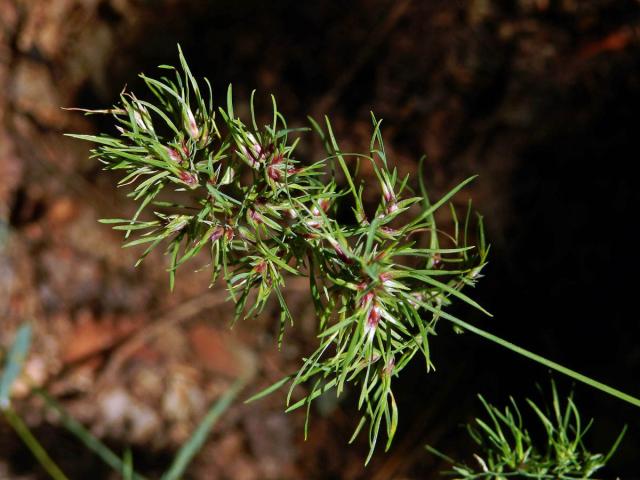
(506, 448)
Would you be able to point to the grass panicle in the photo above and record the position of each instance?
(381, 276)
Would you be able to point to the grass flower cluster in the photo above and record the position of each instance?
(380, 276)
(508, 450)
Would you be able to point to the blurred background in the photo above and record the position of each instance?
(538, 97)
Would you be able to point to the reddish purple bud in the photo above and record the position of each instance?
(341, 253)
(313, 223)
(277, 159)
(387, 193)
(274, 173)
(190, 124)
(324, 204)
(255, 216)
(217, 233)
(173, 154)
(260, 267)
(188, 178)
(373, 320)
(385, 277)
(367, 297)
(228, 233)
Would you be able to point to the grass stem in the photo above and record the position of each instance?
(32, 443)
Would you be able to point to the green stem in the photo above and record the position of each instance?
(36, 448)
(193, 446)
(547, 363)
(85, 436)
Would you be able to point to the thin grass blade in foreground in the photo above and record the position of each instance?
(186, 453)
(89, 440)
(36, 448)
(199, 436)
(15, 359)
(13, 367)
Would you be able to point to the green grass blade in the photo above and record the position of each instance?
(616, 444)
(195, 443)
(434, 243)
(90, 441)
(15, 359)
(543, 361)
(270, 389)
(32, 443)
(343, 165)
(230, 102)
(127, 472)
(439, 454)
(428, 212)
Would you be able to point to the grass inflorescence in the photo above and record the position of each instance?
(507, 449)
(379, 283)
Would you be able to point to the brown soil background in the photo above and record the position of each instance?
(540, 97)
